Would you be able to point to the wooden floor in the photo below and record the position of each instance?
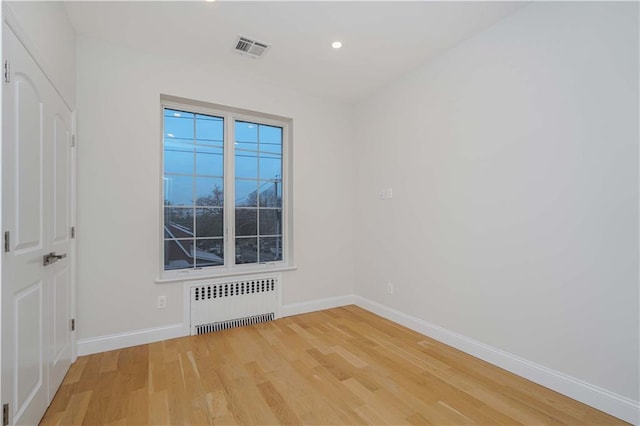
(340, 366)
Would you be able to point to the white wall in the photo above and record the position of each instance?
(513, 160)
(50, 38)
(119, 150)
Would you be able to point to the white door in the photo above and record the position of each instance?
(58, 208)
(36, 205)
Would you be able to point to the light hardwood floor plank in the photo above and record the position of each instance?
(342, 366)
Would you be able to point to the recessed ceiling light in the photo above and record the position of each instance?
(336, 44)
(209, 1)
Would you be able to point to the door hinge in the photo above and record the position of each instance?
(73, 232)
(73, 324)
(7, 71)
(73, 141)
(7, 246)
(5, 415)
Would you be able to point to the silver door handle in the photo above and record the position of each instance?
(52, 257)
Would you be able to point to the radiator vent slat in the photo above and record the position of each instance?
(238, 322)
(218, 306)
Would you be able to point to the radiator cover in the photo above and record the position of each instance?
(216, 306)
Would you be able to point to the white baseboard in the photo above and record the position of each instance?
(594, 396)
(131, 338)
(316, 305)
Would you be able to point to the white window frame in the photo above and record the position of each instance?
(231, 115)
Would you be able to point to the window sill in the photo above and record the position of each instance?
(200, 275)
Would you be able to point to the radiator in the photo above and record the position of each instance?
(234, 303)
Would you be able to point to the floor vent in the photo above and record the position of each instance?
(239, 322)
(222, 305)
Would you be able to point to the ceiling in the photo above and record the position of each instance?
(381, 40)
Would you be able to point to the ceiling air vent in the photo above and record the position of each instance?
(249, 47)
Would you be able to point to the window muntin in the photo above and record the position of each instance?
(210, 154)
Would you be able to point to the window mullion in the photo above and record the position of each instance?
(193, 189)
(258, 195)
(229, 183)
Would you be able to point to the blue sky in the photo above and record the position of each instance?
(257, 147)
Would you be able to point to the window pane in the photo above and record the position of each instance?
(209, 252)
(177, 113)
(179, 127)
(178, 158)
(209, 191)
(246, 222)
(270, 148)
(178, 222)
(246, 132)
(209, 222)
(251, 147)
(270, 194)
(270, 222)
(270, 167)
(270, 249)
(177, 254)
(246, 250)
(246, 164)
(178, 190)
(246, 193)
(209, 160)
(270, 134)
(209, 129)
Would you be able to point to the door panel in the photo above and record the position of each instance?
(29, 368)
(60, 334)
(61, 303)
(36, 206)
(28, 160)
(61, 181)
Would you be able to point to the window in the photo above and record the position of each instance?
(224, 187)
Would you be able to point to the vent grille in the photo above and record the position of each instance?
(252, 48)
(238, 322)
(216, 291)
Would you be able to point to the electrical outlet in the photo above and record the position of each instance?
(383, 194)
(389, 288)
(162, 302)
